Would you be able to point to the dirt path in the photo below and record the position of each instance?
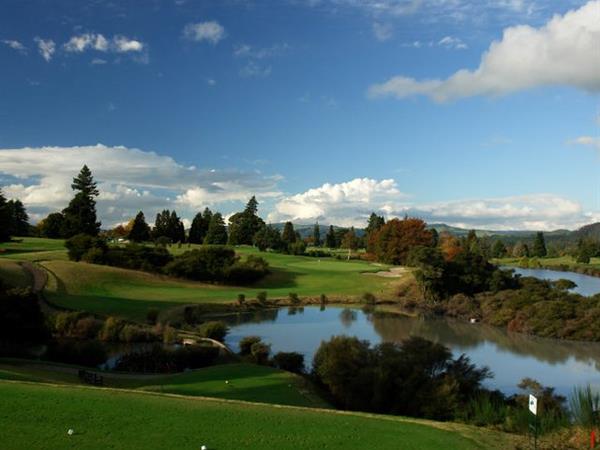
(39, 276)
(394, 272)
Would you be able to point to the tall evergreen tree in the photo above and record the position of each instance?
(330, 240)
(140, 230)
(199, 227)
(19, 219)
(5, 219)
(244, 225)
(80, 216)
(539, 245)
(169, 225)
(317, 235)
(288, 236)
(499, 249)
(217, 232)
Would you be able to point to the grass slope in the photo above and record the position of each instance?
(38, 416)
(34, 249)
(110, 290)
(12, 274)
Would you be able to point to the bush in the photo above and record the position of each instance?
(246, 344)
(585, 405)
(297, 248)
(170, 335)
(133, 333)
(262, 297)
(323, 299)
(21, 320)
(209, 263)
(216, 330)
(369, 298)
(290, 361)
(241, 299)
(260, 352)
(94, 255)
(80, 244)
(138, 257)
(294, 299)
(111, 330)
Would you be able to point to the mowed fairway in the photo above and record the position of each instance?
(114, 291)
(38, 416)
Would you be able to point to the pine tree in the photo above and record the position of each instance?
(317, 235)
(330, 240)
(244, 225)
(5, 221)
(217, 232)
(539, 245)
(288, 236)
(199, 227)
(80, 216)
(499, 249)
(19, 220)
(140, 231)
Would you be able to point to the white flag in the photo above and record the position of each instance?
(533, 404)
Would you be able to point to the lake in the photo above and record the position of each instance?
(511, 356)
(586, 284)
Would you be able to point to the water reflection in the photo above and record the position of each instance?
(510, 356)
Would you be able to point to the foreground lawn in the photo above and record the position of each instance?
(109, 290)
(38, 416)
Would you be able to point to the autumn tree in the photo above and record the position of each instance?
(450, 246)
(80, 215)
(397, 238)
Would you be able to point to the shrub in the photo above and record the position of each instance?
(80, 244)
(216, 330)
(369, 298)
(585, 405)
(209, 263)
(111, 330)
(260, 352)
(138, 257)
(262, 297)
(21, 320)
(294, 299)
(297, 248)
(94, 255)
(323, 299)
(162, 360)
(246, 344)
(241, 299)
(133, 333)
(170, 335)
(290, 361)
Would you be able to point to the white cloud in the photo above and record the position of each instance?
(255, 70)
(123, 44)
(212, 32)
(588, 141)
(129, 180)
(345, 204)
(452, 42)
(46, 47)
(98, 61)
(382, 31)
(350, 204)
(211, 82)
(562, 52)
(80, 43)
(15, 45)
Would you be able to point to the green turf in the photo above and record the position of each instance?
(109, 290)
(38, 416)
(12, 274)
(246, 382)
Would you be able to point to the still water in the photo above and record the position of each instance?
(510, 356)
(586, 284)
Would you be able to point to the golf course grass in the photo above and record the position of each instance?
(130, 294)
(12, 274)
(39, 415)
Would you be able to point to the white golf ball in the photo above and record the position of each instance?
(203, 447)
(70, 432)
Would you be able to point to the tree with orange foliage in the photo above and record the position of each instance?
(450, 246)
(393, 242)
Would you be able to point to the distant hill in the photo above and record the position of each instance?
(591, 231)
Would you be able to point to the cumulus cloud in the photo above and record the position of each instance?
(249, 51)
(255, 70)
(129, 180)
(563, 52)
(95, 41)
(345, 204)
(350, 204)
(211, 31)
(15, 45)
(123, 44)
(46, 47)
(452, 42)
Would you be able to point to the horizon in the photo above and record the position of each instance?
(326, 110)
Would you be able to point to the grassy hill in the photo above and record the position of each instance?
(110, 290)
(39, 415)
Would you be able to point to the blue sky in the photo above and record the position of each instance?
(475, 113)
